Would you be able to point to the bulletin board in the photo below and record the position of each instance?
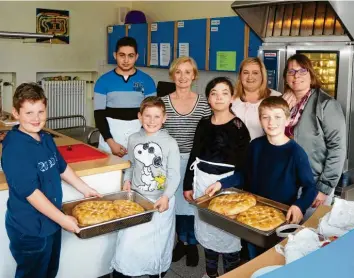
(227, 35)
(216, 44)
(192, 40)
(162, 44)
(140, 33)
(114, 33)
(254, 44)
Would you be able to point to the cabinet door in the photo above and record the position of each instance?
(193, 34)
(227, 38)
(162, 33)
(140, 33)
(114, 33)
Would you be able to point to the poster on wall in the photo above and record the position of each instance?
(53, 22)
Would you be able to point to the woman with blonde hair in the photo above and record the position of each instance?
(251, 88)
(184, 109)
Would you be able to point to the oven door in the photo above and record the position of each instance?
(333, 63)
(274, 58)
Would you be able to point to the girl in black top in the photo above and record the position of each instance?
(221, 137)
(219, 148)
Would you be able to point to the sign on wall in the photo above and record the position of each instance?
(53, 22)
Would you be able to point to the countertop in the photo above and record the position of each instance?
(84, 168)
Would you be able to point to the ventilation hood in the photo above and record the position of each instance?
(298, 20)
(23, 35)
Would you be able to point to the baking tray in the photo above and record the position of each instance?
(115, 224)
(230, 224)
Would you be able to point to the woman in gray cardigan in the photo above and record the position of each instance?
(317, 124)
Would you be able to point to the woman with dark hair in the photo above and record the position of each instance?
(317, 124)
(219, 149)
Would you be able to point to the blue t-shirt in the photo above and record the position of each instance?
(120, 98)
(28, 165)
(277, 173)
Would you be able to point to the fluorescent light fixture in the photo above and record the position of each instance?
(24, 35)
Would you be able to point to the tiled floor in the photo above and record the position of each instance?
(180, 270)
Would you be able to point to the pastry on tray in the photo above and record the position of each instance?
(264, 218)
(126, 208)
(231, 204)
(95, 212)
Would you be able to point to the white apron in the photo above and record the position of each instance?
(146, 249)
(182, 206)
(207, 235)
(120, 130)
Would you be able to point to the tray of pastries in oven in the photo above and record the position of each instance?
(248, 216)
(112, 212)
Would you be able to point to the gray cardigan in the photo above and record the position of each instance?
(321, 131)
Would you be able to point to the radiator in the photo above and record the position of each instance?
(65, 98)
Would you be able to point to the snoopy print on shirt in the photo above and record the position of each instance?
(152, 174)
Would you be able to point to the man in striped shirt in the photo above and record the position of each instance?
(119, 92)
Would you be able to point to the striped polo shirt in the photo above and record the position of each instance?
(118, 98)
(182, 127)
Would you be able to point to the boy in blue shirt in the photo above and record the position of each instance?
(34, 168)
(276, 167)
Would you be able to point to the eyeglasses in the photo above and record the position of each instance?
(301, 71)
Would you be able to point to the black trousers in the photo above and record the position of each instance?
(117, 274)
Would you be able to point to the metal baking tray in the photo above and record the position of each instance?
(115, 224)
(230, 224)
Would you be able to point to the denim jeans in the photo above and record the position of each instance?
(230, 261)
(254, 250)
(35, 256)
(185, 229)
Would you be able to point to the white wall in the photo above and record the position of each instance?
(22, 61)
(85, 53)
(178, 10)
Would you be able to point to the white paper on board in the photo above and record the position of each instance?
(154, 57)
(165, 54)
(180, 24)
(183, 49)
(153, 27)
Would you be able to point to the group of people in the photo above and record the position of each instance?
(296, 155)
(287, 147)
